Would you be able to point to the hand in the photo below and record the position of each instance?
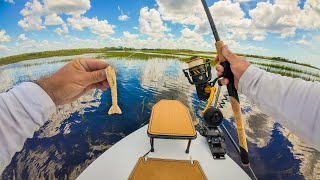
(238, 66)
(74, 79)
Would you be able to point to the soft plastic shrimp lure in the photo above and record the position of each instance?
(112, 80)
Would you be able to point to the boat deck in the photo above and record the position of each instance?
(119, 161)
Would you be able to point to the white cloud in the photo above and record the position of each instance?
(31, 23)
(192, 35)
(4, 37)
(150, 23)
(315, 4)
(3, 48)
(9, 1)
(229, 17)
(181, 11)
(244, 48)
(302, 42)
(62, 30)
(32, 12)
(123, 18)
(33, 45)
(242, 1)
(47, 7)
(53, 19)
(22, 37)
(128, 35)
(32, 9)
(307, 40)
(35, 11)
(100, 27)
(285, 17)
(72, 7)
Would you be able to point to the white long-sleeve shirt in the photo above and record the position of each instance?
(294, 103)
(23, 110)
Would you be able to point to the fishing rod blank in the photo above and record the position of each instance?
(233, 93)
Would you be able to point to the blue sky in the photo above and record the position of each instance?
(286, 28)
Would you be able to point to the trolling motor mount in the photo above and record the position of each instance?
(216, 141)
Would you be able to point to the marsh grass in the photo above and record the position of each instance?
(287, 68)
(288, 74)
(136, 55)
(124, 52)
(83, 118)
(280, 59)
(142, 103)
(145, 54)
(46, 54)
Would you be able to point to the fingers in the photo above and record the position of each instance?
(95, 77)
(100, 86)
(92, 64)
(232, 58)
(105, 83)
(216, 58)
(219, 69)
(224, 81)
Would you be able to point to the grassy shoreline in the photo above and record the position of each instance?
(124, 52)
(286, 68)
(182, 55)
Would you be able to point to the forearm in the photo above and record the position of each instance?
(23, 110)
(294, 103)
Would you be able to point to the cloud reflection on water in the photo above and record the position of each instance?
(81, 131)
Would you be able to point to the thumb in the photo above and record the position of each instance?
(228, 54)
(96, 76)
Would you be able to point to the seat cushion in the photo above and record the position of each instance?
(171, 118)
(167, 169)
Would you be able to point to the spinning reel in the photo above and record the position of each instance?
(199, 74)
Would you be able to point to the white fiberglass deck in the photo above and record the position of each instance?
(120, 159)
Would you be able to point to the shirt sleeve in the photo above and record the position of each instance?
(294, 103)
(23, 110)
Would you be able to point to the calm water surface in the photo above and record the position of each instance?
(80, 132)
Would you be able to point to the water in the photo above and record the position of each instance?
(79, 132)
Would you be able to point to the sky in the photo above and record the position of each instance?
(285, 28)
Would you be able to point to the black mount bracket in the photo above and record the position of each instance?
(216, 141)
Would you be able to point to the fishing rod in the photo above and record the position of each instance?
(233, 96)
(199, 74)
(233, 93)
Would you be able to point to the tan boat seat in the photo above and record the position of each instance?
(159, 169)
(171, 119)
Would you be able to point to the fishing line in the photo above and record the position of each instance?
(139, 50)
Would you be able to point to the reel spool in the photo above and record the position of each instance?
(199, 74)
